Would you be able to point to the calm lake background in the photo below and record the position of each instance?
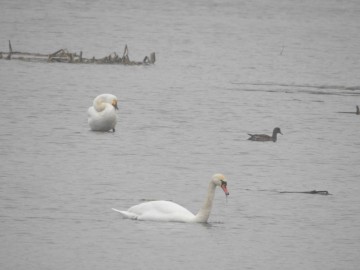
(223, 69)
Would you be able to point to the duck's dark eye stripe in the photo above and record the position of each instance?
(223, 183)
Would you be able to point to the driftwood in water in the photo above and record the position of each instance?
(321, 192)
(64, 56)
(356, 112)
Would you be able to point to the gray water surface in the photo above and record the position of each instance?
(224, 69)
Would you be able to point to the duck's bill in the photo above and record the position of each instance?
(115, 106)
(224, 188)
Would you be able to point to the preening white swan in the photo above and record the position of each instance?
(102, 116)
(169, 211)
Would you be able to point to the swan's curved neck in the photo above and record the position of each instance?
(204, 212)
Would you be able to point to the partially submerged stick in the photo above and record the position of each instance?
(356, 112)
(321, 192)
(10, 51)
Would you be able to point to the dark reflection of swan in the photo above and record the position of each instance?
(102, 116)
(264, 137)
(171, 212)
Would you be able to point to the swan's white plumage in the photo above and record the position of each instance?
(170, 211)
(102, 115)
(158, 211)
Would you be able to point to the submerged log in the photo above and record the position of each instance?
(64, 56)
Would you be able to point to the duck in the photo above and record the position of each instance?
(264, 137)
(167, 211)
(102, 115)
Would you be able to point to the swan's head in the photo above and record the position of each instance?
(112, 100)
(114, 103)
(106, 98)
(220, 180)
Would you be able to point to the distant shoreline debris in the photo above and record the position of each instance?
(64, 56)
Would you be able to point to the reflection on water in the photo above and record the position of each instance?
(219, 76)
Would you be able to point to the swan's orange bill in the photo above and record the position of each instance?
(224, 188)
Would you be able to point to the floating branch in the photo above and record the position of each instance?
(64, 56)
(321, 192)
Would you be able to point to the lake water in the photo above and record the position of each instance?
(223, 69)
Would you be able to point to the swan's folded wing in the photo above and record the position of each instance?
(158, 211)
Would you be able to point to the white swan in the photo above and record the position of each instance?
(102, 116)
(169, 211)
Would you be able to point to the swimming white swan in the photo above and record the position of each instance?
(102, 116)
(169, 211)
